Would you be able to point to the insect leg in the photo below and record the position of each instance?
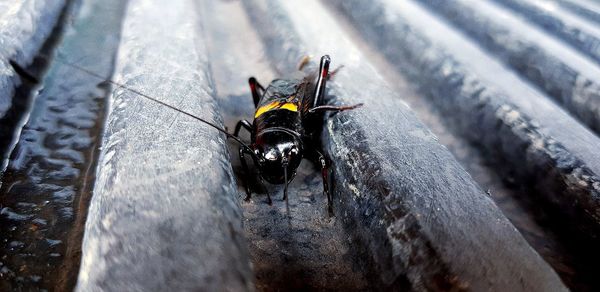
(254, 88)
(320, 159)
(321, 81)
(262, 183)
(240, 124)
(246, 173)
(285, 179)
(285, 190)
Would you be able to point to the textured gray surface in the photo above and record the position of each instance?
(578, 32)
(496, 108)
(24, 26)
(422, 220)
(585, 8)
(165, 213)
(560, 71)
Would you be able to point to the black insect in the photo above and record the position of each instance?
(287, 123)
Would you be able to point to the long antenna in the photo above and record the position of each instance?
(30, 77)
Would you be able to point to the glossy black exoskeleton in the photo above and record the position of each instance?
(287, 121)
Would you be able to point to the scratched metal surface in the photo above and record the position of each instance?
(474, 112)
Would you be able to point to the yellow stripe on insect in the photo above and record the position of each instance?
(290, 106)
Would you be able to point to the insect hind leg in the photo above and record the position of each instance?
(319, 93)
(255, 87)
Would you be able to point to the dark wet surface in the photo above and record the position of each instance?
(307, 250)
(50, 175)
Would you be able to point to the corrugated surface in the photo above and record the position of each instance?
(511, 87)
(560, 71)
(575, 31)
(403, 195)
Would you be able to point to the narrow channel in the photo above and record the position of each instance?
(307, 250)
(50, 175)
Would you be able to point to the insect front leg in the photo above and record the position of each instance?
(262, 184)
(288, 182)
(242, 153)
(240, 124)
(254, 88)
(246, 172)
